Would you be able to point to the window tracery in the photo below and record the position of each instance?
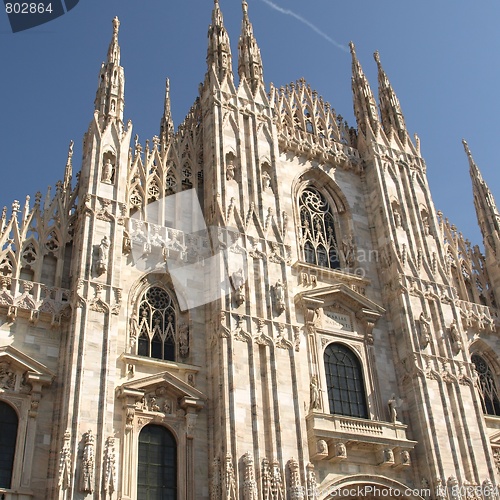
(157, 325)
(486, 386)
(317, 230)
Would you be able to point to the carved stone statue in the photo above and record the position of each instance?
(102, 260)
(314, 403)
(238, 284)
(277, 488)
(229, 492)
(183, 340)
(107, 172)
(87, 466)
(250, 486)
(397, 216)
(405, 457)
(109, 479)
(312, 486)
(322, 447)
(65, 463)
(296, 489)
(425, 330)
(440, 490)
(393, 405)
(266, 181)
(455, 335)
(230, 169)
(265, 475)
(7, 377)
(279, 296)
(388, 455)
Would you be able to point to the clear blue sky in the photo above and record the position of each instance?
(441, 57)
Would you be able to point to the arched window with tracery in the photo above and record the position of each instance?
(8, 436)
(157, 325)
(317, 230)
(157, 464)
(344, 382)
(486, 386)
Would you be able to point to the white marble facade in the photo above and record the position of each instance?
(322, 240)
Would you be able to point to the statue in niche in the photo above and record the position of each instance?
(425, 222)
(314, 403)
(266, 181)
(279, 295)
(107, 172)
(238, 284)
(230, 168)
(87, 467)
(393, 405)
(102, 260)
(183, 340)
(397, 216)
(425, 330)
(388, 455)
(455, 335)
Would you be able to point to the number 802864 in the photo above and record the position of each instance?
(27, 8)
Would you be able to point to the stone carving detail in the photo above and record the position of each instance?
(107, 172)
(190, 424)
(340, 450)
(279, 296)
(455, 337)
(230, 167)
(230, 491)
(109, 478)
(315, 400)
(215, 491)
(322, 448)
(7, 377)
(453, 488)
(65, 463)
(405, 458)
(393, 405)
(425, 323)
(183, 340)
(102, 259)
(250, 486)
(312, 486)
(238, 282)
(277, 488)
(296, 489)
(87, 465)
(440, 489)
(266, 477)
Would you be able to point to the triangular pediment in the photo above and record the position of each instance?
(24, 363)
(341, 295)
(176, 387)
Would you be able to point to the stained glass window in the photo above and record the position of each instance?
(157, 325)
(317, 230)
(487, 387)
(157, 468)
(8, 436)
(344, 381)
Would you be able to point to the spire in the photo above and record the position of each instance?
(109, 101)
(390, 109)
(166, 124)
(487, 213)
(249, 59)
(219, 50)
(68, 171)
(365, 106)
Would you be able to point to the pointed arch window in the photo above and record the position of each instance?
(157, 464)
(486, 386)
(157, 325)
(344, 381)
(317, 230)
(8, 436)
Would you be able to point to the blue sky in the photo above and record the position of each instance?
(441, 57)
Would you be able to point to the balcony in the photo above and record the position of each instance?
(339, 438)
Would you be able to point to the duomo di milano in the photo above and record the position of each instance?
(262, 305)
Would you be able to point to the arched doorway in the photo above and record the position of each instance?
(157, 464)
(8, 436)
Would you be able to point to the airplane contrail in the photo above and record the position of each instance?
(288, 12)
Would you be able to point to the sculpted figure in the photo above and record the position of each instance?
(107, 172)
(314, 403)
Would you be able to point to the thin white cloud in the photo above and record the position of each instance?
(288, 12)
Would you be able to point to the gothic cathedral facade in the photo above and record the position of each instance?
(263, 304)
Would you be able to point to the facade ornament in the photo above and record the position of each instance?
(296, 489)
(65, 463)
(190, 424)
(102, 260)
(488, 490)
(265, 475)
(107, 172)
(277, 488)
(453, 488)
(405, 458)
(340, 450)
(109, 478)
(393, 405)
(455, 337)
(312, 486)
(230, 492)
(387, 457)
(238, 284)
(250, 486)
(230, 168)
(322, 448)
(266, 181)
(424, 323)
(279, 296)
(87, 465)
(440, 489)
(314, 401)
(183, 340)
(7, 377)
(215, 491)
